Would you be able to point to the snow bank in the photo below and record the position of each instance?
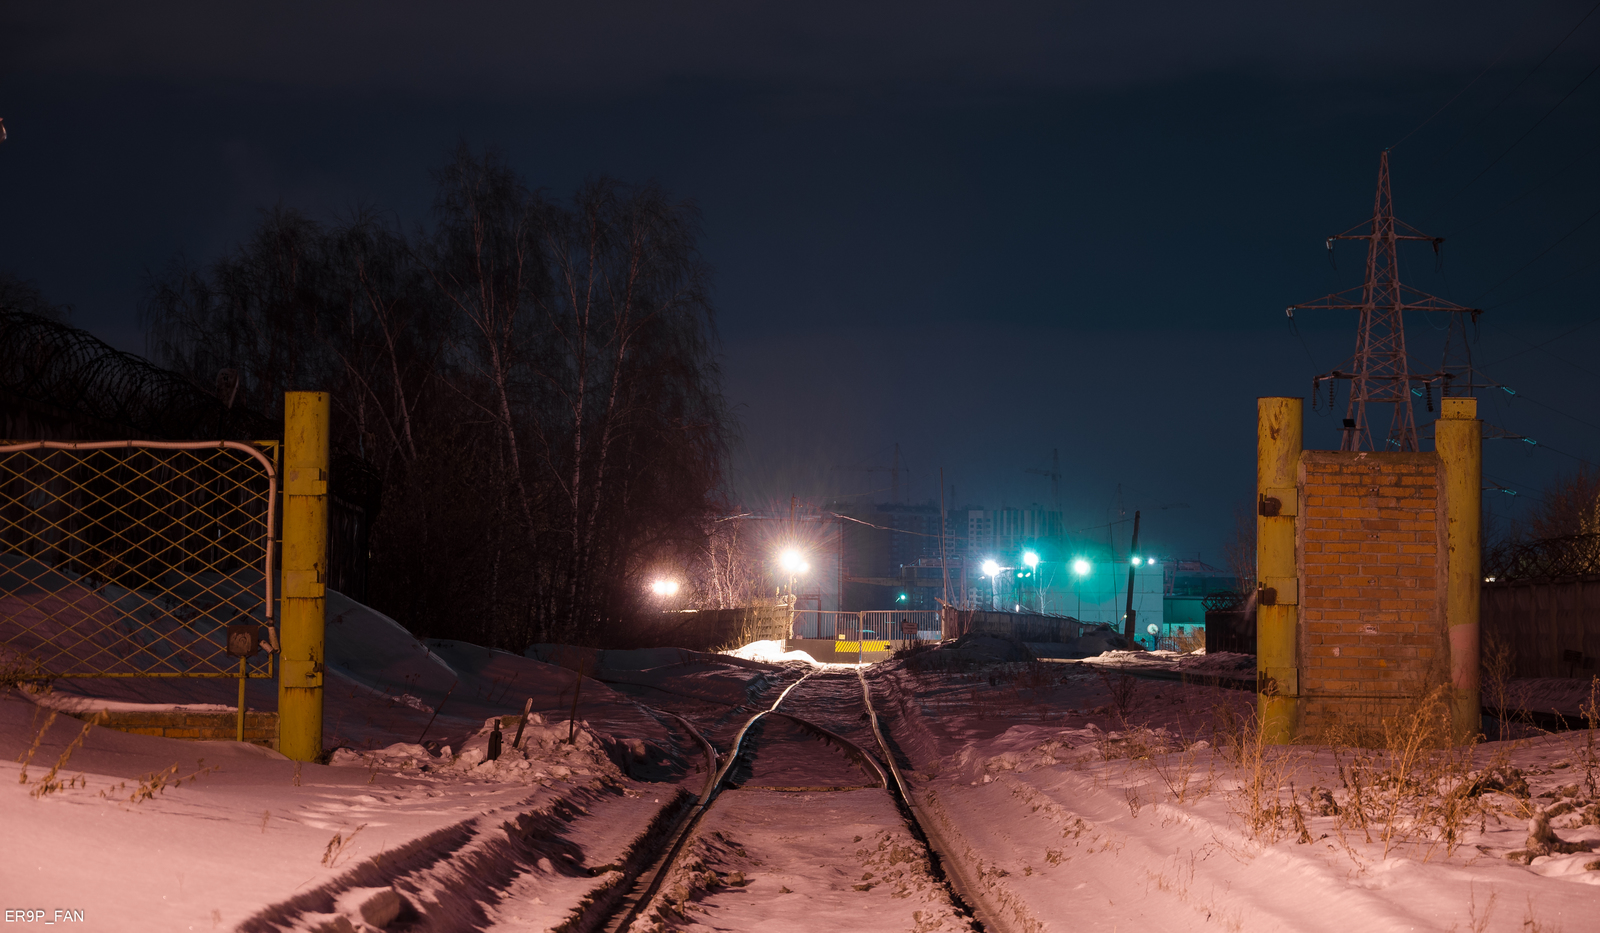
(770, 651)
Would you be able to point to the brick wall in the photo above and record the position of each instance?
(1372, 629)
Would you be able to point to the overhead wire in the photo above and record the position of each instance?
(1463, 134)
(1507, 151)
(1487, 68)
(1520, 269)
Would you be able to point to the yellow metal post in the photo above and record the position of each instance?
(305, 574)
(1458, 439)
(244, 672)
(1278, 446)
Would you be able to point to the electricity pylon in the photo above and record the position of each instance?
(1379, 372)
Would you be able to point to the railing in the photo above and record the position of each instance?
(137, 559)
(873, 625)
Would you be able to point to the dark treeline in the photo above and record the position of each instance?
(534, 380)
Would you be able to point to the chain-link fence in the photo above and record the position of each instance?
(1562, 558)
(137, 558)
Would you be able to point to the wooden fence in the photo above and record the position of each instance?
(1552, 629)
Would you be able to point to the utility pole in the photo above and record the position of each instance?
(944, 560)
(1379, 372)
(1133, 555)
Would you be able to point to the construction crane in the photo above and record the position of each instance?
(1055, 477)
(893, 471)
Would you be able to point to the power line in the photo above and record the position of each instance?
(1525, 133)
(1582, 159)
(1540, 346)
(1539, 288)
(1563, 239)
(1457, 141)
(1446, 106)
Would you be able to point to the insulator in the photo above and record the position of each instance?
(1427, 394)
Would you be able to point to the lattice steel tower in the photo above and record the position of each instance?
(1379, 373)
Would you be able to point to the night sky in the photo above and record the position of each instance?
(979, 231)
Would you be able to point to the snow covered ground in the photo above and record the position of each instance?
(1072, 797)
(1084, 800)
(136, 833)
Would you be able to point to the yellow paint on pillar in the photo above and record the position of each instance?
(1279, 441)
(1458, 440)
(305, 574)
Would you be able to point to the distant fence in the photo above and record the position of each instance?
(1019, 625)
(704, 630)
(1546, 628)
(1540, 605)
(1230, 625)
(873, 625)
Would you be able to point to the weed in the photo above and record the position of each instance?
(337, 845)
(37, 738)
(1479, 924)
(1123, 691)
(157, 782)
(1591, 716)
(49, 784)
(295, 780)
(19, 669)
(1131, 792)
(265, 815)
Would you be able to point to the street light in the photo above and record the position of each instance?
(793, 563)
(1032, 560)
(991, 569)
(664, 587)
(1081, 568)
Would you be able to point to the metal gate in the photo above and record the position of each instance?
(903, 624)
(137, 559)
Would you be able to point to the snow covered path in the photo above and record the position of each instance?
(809, 837)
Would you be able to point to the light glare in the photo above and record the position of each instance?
(1080, 567)
(1031, 559)
(664, 587)
(990, 568)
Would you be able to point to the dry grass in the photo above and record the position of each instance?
(1404, 782)
(337, 845)
(38, 736)
(1122, 692)
(51, 783)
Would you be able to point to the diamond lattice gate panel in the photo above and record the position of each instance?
(137, 559)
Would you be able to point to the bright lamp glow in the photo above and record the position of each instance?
(990, 568)
(791, 561)
(1031, 559)
(1151, 561)
(1137, 560)
(1080, 567)
(664, 587)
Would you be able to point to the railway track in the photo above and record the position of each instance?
(807, 793)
